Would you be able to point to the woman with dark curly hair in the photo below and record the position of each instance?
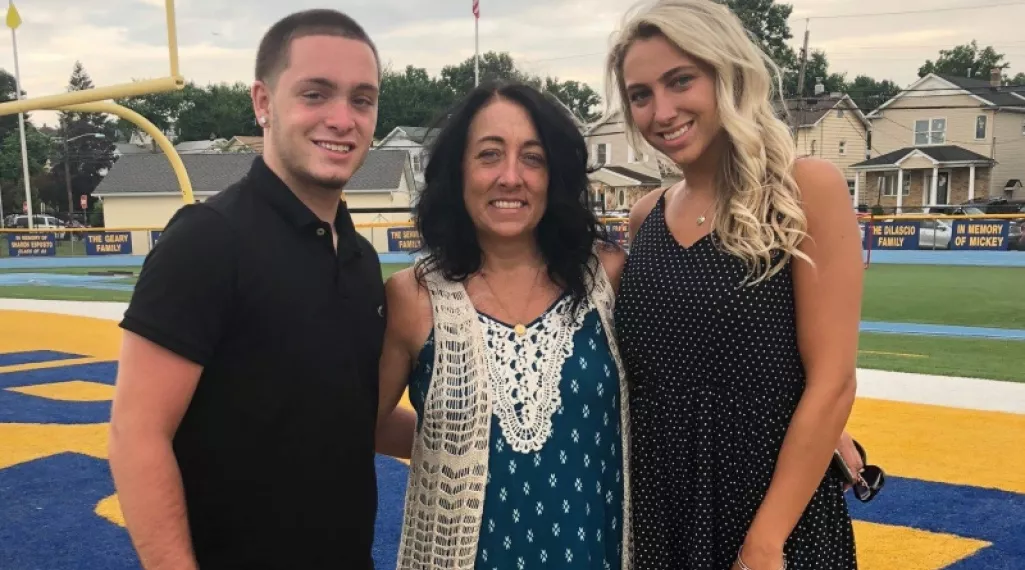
(502, 333)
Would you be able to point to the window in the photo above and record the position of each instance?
(930, 131)
(887, 184)
(417, 167)
(980, 127)
(839, 113)
(601, 153)
(814, 145)
(631, 155)
(843, 148)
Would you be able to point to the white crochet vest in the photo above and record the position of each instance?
(448, 469)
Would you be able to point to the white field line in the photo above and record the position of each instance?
(966, 393)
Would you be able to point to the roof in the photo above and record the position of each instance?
(211, 173)
(129, 148)
(982, 91)
(1003, 96)
(420, 135)
(817, 108)
(631, 173)
(253, 143)
(938, 154)
(199, 146)
(622, 176)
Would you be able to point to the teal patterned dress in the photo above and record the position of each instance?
(559, 507)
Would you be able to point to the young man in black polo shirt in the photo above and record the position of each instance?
(243, 425)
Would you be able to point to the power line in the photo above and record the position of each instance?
(907, 12)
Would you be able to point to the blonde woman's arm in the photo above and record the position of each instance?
(828, 307)
(409, 320)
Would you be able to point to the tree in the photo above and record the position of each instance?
(218, 111)
(162, 109)
(965, 61)
(8, 87)
(768, 22)
(38, 145)
(11, 170)
(868, 94)
(1017, 80)
(817, 68)
(493, 66)
(579, 97)
(88, 157)
(410, 97)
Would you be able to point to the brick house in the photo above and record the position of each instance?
(945, 140)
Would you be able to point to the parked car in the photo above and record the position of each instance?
(39, 221)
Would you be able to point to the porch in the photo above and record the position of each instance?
(913, 178)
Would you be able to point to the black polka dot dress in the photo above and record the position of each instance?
(715, 377)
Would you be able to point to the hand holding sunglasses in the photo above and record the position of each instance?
(866, 482)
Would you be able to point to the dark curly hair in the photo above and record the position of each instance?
(568, 230)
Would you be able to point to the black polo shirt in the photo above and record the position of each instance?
(276, 449)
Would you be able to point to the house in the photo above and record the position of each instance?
(243, 144)
(193, 147)
(945, 140)
(141, 190)
(623, 174)
(414, 141)
(831, 127)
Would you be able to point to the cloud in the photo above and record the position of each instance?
(118, 40)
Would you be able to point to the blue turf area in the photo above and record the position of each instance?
(64, 280)
(942, 330)
(34, 357)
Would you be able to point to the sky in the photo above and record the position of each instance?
(121, 40)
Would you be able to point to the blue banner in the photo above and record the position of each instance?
(980, 235)
(108, 243)
(403, 239)
(154, 236)
(618, 232)
(893, 235)
(32, 245)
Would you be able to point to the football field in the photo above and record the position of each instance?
(952, 447)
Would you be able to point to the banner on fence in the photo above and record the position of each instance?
(403, 239)
(618, 232)
(980, 235)
(108, 243)
(893, 235)
(154, 235)
(32, 245)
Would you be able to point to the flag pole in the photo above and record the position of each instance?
(476, 43)
(13, 21)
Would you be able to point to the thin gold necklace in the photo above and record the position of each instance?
(519, 327)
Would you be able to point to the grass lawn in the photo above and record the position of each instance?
(945, 295)
(969, 296)
(944, 356)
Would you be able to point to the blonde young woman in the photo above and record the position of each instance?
(738, 311)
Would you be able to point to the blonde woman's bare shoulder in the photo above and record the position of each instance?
(825, 196)
(640, 210)
(816, 176)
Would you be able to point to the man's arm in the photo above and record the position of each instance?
(176, 317)
(154, 388)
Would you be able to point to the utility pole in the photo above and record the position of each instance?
(800, 82)
(67, 178)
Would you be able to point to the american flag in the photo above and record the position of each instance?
(476, 9)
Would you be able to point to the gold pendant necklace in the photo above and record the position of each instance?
(519, 328)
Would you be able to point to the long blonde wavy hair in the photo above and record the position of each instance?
(759, 209)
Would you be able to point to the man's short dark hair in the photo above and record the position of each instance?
(272, 56)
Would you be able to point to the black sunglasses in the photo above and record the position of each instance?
(869, 484)
(870, 480)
